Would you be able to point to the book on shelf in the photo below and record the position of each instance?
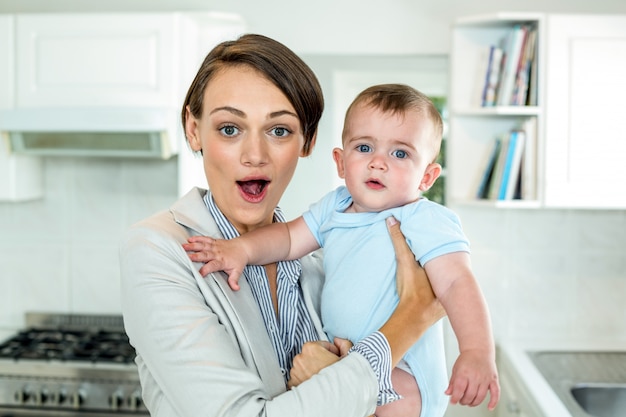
(512, 165)
(498, 169)
(528, 188)
(510, 168)
(482, 75)
(532, 82)
(487, 177)
(513, 51)
(492, 76)
(522, 78)
(508, 70)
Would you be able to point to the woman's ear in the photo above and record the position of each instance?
(191, 131)
(433, 171)
(338, 157)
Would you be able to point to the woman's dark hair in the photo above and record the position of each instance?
(275, 61)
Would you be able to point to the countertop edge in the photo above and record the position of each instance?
(515, 353)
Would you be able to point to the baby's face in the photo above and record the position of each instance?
(386, 158)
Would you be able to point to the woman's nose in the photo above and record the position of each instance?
(254, 151)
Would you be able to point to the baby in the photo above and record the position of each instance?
(391, 138)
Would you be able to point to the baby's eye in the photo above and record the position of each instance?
(229, 130)
(280, 132)
(363, 148)
(400, 154)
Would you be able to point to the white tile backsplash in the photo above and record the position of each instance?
(60, 253)
(544, 273)
(95, 278)
(34, 277)
(550, 273)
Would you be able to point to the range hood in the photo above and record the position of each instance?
(107, 132)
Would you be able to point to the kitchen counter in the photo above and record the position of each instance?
(514, 354)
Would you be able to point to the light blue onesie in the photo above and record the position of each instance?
(359, 293)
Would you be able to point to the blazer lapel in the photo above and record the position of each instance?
(244, 314)
(253, 330)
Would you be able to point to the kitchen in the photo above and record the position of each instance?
(551, 277)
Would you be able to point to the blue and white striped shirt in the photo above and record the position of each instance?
(295, 326)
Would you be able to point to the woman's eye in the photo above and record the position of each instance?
(363, 148)
(280, 132)
(400, 154)
(229, 130)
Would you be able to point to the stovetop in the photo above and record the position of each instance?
(66, 363)
(67, 337)
(69, 345)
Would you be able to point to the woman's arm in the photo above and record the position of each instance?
(417, 310)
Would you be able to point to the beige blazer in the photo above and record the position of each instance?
(202, 349)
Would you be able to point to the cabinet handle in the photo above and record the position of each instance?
(513, 407)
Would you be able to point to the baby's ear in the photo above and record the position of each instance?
(338, 157)
(433, 171)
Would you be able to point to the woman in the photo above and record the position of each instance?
(204, 350)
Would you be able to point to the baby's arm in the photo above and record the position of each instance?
(474, 373)
(272, 243)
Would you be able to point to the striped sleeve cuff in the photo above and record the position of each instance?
(377, 351)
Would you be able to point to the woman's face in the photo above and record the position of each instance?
(251, 138)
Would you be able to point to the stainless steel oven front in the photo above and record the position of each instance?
(69, 365)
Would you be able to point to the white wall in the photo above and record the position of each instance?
(347, 26)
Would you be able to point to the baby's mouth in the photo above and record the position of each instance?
(253, 187)
(375, 184)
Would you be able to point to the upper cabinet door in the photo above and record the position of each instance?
(585, 109)
(96, 60)
(7, 63)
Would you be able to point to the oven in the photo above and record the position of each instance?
(69, 365)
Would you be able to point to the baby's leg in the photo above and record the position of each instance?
(409, 406)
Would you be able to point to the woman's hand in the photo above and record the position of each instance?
(418, 308)
(314, 357)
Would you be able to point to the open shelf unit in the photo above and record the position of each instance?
(473, 128)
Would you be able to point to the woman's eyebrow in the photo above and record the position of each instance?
(229, 109)
(281, 113)
(241, 114)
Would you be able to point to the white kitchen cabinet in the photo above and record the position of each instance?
(515, 398)
(580, 143)
(20, 176)
(79, 59)
(75, 75)
(585, 86)
(7, 61)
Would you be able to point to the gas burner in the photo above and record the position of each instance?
(69, 345)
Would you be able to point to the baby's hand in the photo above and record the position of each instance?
(474, 373)
(218, 255)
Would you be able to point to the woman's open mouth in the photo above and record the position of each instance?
(253, 191)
